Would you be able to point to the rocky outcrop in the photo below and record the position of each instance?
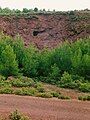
(47, 30)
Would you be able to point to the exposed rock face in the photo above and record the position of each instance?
(47, 30)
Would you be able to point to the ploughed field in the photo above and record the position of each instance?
(45, 109)
(41, 101)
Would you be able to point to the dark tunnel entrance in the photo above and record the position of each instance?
(35, 33)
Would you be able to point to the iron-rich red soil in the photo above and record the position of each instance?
(47, 30)
(45, 109)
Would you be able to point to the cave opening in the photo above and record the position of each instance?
(35, 33)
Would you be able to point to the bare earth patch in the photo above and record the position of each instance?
(72, 93)
(45, 109)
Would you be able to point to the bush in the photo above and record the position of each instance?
(8, 63)
(63, 97)
(2, 78)
(18, 48)
(18, 92)
(46, 65)
(40, 89)
(67, 81)
(25, 91)
(44, 95)
(54, 72)
(66, 78)
(17, 116)
(6, 90)
(84, 87)
(20, 83)
(55, 94)
(84, 98)
(88, 98)
(30, 62)
(80, 98)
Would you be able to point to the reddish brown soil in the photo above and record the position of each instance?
(45, 109)
(73, 94)
(53, 29)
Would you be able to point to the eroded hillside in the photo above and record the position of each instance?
(47, 30)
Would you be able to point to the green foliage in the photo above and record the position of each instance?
(2, 78)
(66, 78)
(81, 58)
(8, 63)
(46, 65)
(6, 90)
(63, 97)
(55, 94)
(74, 82)
(55, 72)
(62, 57)
(18, 47)
(44, 95)
(23, 83)
(17, 116)
(36, 9)
(25, 91)
(67, 81)
(30, 61)
(40, 89)
(19, 83)
(84, 98)
(25, 10)
(84, 87)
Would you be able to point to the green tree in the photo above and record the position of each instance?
(35, 9)
(62, 57)
(30, 61)
(17, 11)
(86, 66)
(8, 64)
(77, 62)
(6, 10)
(25, 10)
(45, 62)
(18, 47)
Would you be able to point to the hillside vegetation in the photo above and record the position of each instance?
(45, 28)
(67, 66)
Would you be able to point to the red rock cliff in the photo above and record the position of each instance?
(47, 30)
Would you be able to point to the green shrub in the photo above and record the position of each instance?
(46, 65)
(55, 94)
(88, 98)
(6, 90)
(40, 89)
(84, 98)
(84, 87)
(54, 72)
(44, 95)
(18, 92)
(17, 116)
(29, 91)
(19, 83)
(8, 63)
(25, 91)
(67, 81)
(18, 48)
(80, 98)
(30, 61)
(2, 78)
(63, 97)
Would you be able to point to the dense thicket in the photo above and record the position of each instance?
(67, 63)
(25, 11)
(7, 11)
